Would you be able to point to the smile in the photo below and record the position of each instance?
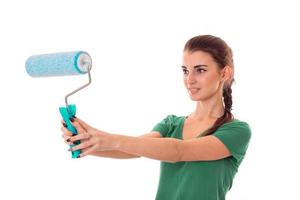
(193, 90)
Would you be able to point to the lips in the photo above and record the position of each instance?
(193, 90)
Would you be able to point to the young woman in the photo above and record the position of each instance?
(200, 153)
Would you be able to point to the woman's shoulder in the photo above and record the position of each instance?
(237, 122)
(173, 119)
(235, 126)
(168, 124)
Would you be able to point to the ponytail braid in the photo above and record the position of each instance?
(227, 99)
(227, 116)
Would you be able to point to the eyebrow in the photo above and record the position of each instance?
(195, 67)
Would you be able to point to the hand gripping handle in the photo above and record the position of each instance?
(66, 117)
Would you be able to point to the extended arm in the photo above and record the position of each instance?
(123, 155)
(174, 150)
(164, 149)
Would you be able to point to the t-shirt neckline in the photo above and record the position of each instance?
(200, 134)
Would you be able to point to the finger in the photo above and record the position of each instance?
(68, 140)
(69, 143)
(82, 123)
(81, 136)
(66, 135)
(66, 132)
(62, 121)
(88, 151)
(82, 145)
(80, 129)
(64, 124)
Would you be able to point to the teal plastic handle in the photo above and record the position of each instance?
(66, 117)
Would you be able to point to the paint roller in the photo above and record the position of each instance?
(62, 64)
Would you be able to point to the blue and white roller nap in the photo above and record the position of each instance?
(62, 64)
(58, 64)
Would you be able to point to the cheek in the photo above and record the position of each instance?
(210, 82)
(184, 81)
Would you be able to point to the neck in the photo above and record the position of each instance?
(211, 108)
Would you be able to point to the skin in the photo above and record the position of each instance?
(204, 82)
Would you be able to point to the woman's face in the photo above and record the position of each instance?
(201, 74)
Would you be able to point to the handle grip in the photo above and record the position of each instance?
(66, 117)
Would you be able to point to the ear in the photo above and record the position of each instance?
(226, 73)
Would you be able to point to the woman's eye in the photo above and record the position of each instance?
(185, 71)
(201, 70)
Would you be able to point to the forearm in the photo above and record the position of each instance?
(123, 155)
(164, 149)
(114, 154)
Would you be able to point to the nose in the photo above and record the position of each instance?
(190, 78)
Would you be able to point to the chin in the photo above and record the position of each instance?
(202, 94)
(196, 98)
(200, 97)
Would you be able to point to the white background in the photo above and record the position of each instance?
(136, 48)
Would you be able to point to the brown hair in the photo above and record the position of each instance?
(222, 55)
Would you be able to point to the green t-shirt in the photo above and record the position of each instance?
(202, 180)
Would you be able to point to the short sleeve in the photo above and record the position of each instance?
(164, 126)
(235, 136)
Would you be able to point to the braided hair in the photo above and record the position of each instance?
(222, 55)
